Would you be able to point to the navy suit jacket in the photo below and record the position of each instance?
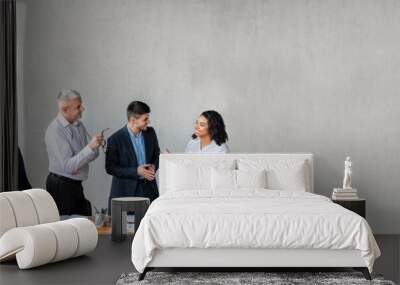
(121, 163)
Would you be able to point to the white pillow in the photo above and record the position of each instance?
(183, 178)
(251, 178)
(227, 179)
(291, 178)
(190, 174)
(223, 179)
(281, 174)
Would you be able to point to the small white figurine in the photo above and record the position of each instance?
(347, 174)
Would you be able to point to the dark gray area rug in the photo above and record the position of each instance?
(228, 278)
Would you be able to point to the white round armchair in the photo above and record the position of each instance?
(31, 230)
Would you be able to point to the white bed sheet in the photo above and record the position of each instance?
(250, 218)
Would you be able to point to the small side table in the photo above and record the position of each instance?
(358, 205)
(119, 209)
(104, 230)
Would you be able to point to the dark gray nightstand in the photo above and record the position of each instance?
(119, 211)
(358, 205)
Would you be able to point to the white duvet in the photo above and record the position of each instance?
(250, 219)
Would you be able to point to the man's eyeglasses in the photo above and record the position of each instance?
(104, 142)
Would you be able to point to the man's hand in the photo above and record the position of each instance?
(147, 171)
(96, 141)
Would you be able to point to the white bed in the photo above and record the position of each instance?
(213, 224)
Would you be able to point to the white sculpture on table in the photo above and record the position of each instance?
(348, 173)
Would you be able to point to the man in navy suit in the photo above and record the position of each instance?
(132, 156)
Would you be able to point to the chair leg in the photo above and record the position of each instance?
(142, 275)
(364, 271)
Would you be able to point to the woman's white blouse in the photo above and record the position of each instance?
(193, 146)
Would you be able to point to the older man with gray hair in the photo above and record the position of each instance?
(69, 155)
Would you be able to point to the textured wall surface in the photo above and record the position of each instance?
(288, 76)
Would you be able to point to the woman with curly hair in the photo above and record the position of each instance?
(210, 135)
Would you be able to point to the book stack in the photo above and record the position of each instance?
(344, 194)
(130, 223)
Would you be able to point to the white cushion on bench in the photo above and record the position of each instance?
(41, 244)
(23, 208)
(45, 206)
(7, 219)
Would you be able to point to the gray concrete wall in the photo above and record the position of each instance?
(288, 76)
